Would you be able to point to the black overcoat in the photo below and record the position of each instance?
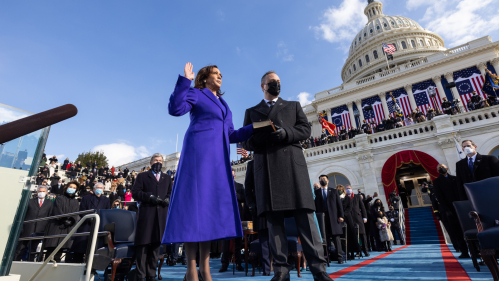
(335, 211)
(88, 202)
(445, 189)
(259, 223)
(346, 202)
(63, 204)
(484, 167)
(36, 212)
(359, 213)
(281, 176)
(240, 198)
(151, 219)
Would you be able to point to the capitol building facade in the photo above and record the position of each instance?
(407, 155)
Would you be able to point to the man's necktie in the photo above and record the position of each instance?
(41, 203)
(470, 165)
(324, 196)
(271, 104)
(157, 177)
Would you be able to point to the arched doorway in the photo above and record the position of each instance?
(336, 179)
(495, 151)
(409, 168)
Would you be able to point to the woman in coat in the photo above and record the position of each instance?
(352, 238)
(65, 164)
(385, 234)
(64, 204)
(204, 179)
(128, 196)
(375, 207)
(113, 195)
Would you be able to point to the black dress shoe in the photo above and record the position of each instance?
(367, 254)
(223, 268)
(239, 267)
(464, 256)
(340, 260)
(266, 274)
(172, 262)
(322, 276)
(280, 276)
(184, 263)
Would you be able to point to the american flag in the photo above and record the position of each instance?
(240, 149)
(340, 117)
(377, 114)
(467, 81)
(389, 48)
(422, 97)
(402, 99)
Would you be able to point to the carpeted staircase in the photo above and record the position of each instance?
(421, 228)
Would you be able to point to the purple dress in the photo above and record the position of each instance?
(203, 204)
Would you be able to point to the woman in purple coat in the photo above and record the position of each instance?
(203, 203)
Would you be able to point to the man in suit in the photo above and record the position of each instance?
(329, 212)
(152, 190)
(475, 167)
(445, 189)
(359, 216)
(95, 201)
(101, 171)
(38, 208)
(282, 184)
(58, 188)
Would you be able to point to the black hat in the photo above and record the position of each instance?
(323, 176)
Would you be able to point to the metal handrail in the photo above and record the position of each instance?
(62, 216)
(92, 248)
(402, 220)
(79, 234)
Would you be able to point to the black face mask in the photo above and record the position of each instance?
(274, 88)
(156, 167)
(323, 182)
(442, 171)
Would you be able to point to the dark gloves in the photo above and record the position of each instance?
(252, 209)
(154, 200)
(279, 135)
(437, 215)
(66, 223)
(165, 203)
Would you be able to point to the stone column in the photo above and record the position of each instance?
(408, 89)
(455, 93)
(482, 66)
(438, 82)
(352, 117)
(382, 96)
(359, 107)
(495, 64)
(329, 117)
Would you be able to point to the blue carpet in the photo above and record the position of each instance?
(422, 226)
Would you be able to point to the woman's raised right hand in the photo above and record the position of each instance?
(188, 71)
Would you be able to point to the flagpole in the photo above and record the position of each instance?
(386, 60)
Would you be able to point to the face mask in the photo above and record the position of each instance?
(274, 88)
(469, 150)
(156, 167)
(98, 191)
(323, 182)
(42, 195)
(116, 207)
(71, 190)
(340, 192)
(349, 191)
(442, 171)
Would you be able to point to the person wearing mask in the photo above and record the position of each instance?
(72, 172)
(367, 225)
(393, 217)
(329, 212)
(385, 234)
(359, 216)
(96, 201)
(54, 180)
(116, 204)
(152, 190)
(95, 165)
(113, 194)
(65, 164)
(101, 171)
(107, 185)
(375, 207)
(346, 202)
(475, 167)
(58, 188)
(394, 200)
(125, 172)
(64, 204)
(445, 187)
(38, 208)
(237, 241)
(128, 196)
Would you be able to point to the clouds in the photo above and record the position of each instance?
(458, 21)
(303, 98)
(122, 153)
(343, 22)
(282, 52)
(8, 115)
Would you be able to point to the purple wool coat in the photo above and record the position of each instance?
(203, 204)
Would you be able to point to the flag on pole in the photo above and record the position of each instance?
(240, 149)
(244, 153)
(389, 48)
(396, 108)
(329, 127)
(460, 153)
(467, 81)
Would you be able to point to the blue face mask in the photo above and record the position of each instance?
(98, 191)
(70, 190)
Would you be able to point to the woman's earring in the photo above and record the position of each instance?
(204, 81)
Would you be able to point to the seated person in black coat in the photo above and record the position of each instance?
(38, 208)
(475, 167)
(94, 201)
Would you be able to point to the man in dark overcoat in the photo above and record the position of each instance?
(152, 189)
(282, 184)
(38, 208)
(328, 203)
(474, 167)
(95, 201)
(359, 216)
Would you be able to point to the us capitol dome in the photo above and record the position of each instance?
(366, 55)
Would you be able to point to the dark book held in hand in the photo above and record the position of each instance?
(263, 127)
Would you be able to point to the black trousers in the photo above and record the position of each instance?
(238, 242)
(263, 236)
(396, 227)
(310, 240)
(147, 259)
(453, 228)
(336, 239)
(175, 249)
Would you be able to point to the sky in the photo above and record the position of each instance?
(118, 61)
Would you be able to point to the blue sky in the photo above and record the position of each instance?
(118, 61)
